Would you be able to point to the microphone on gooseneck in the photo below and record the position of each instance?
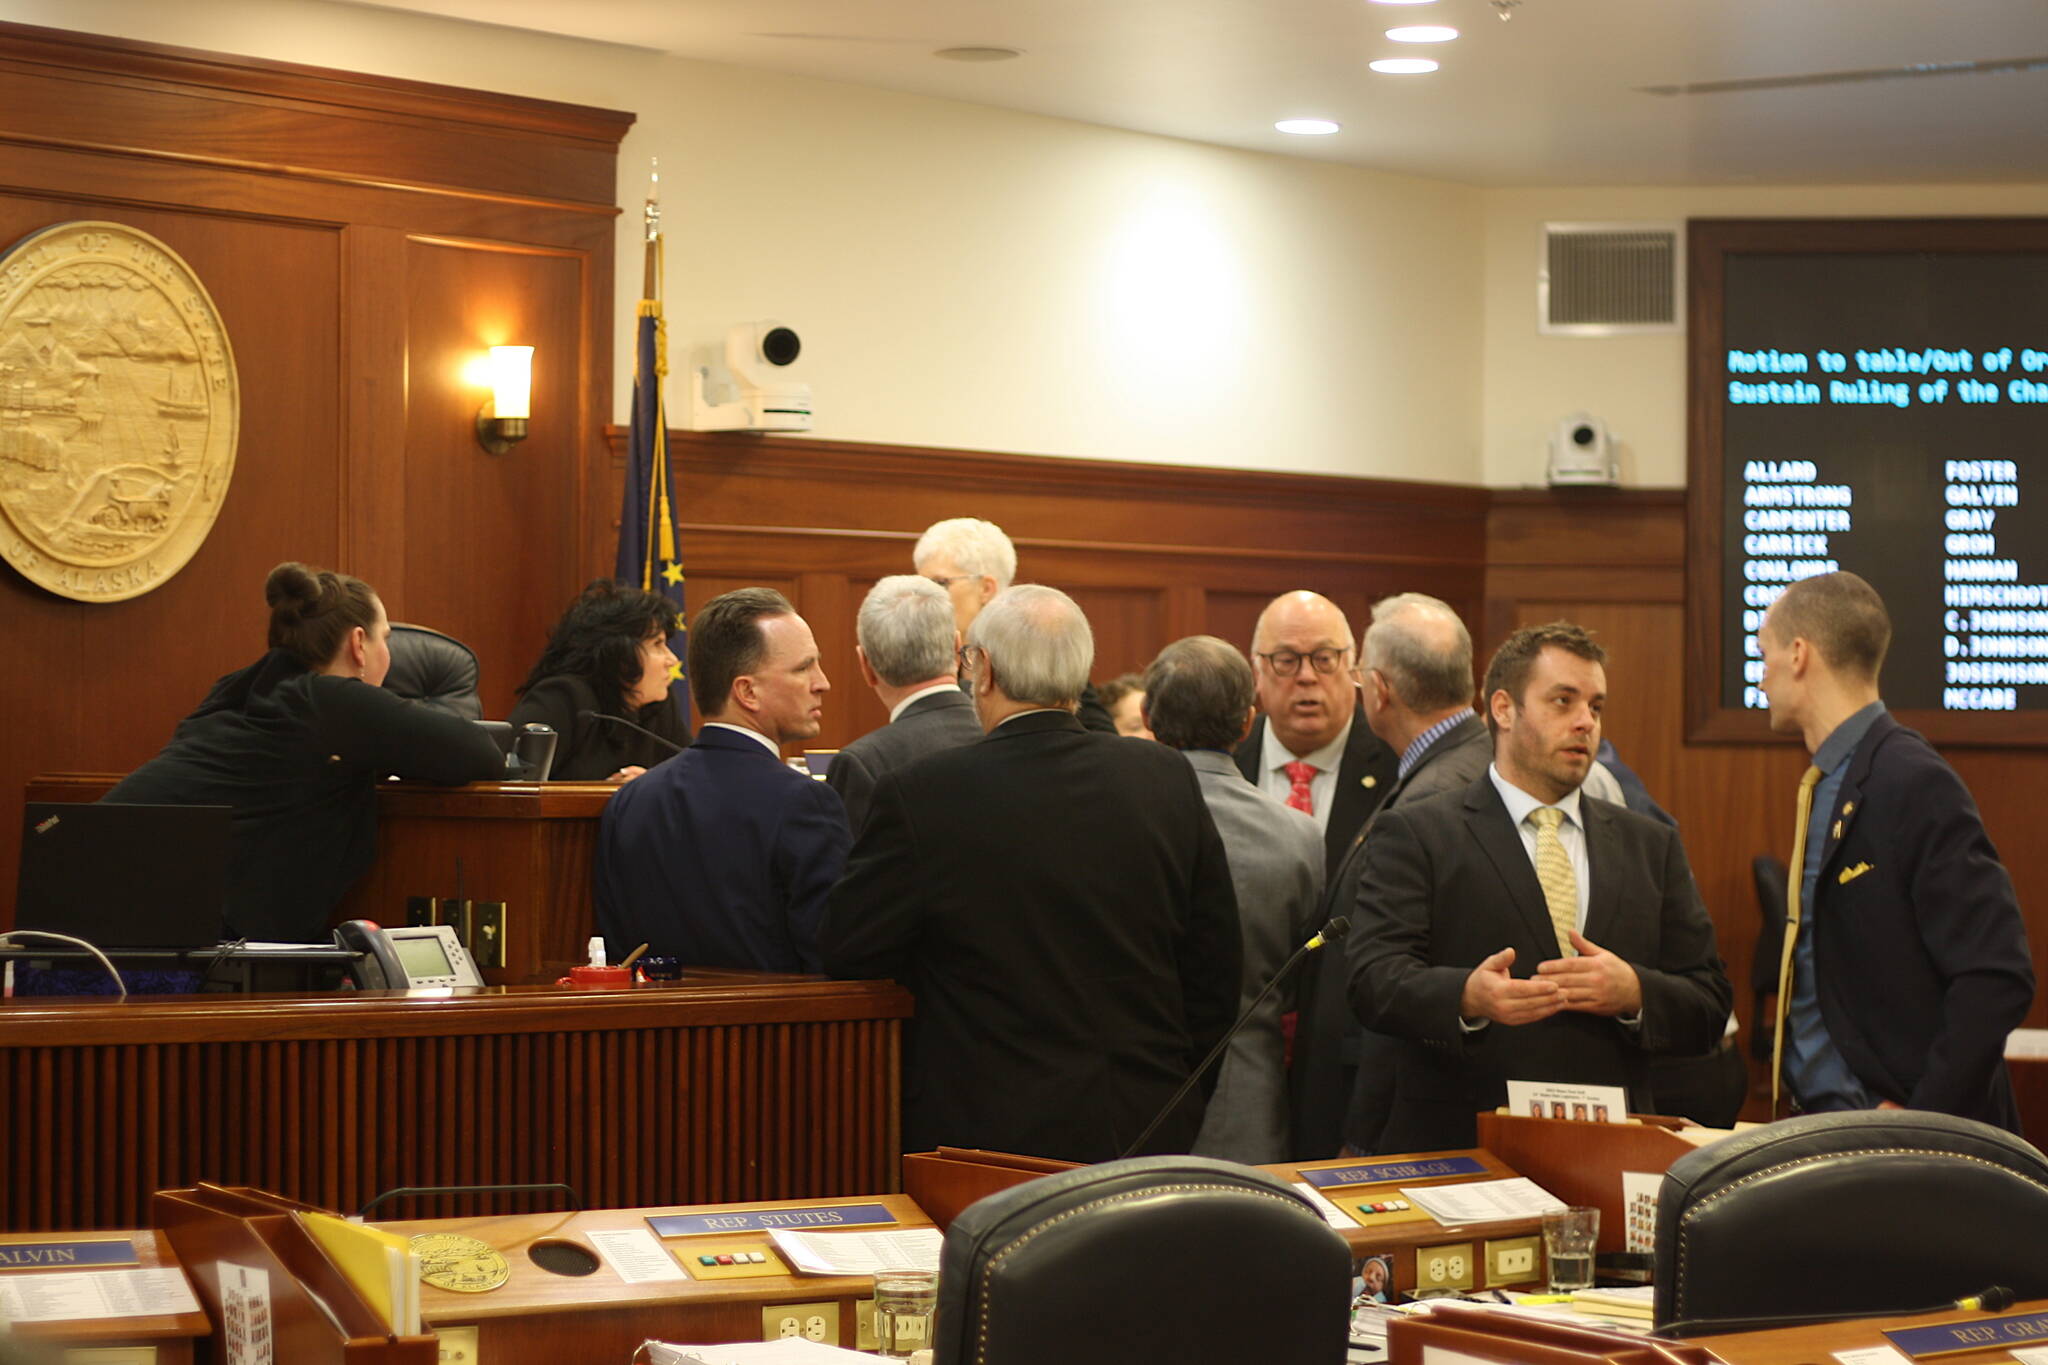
(663, 740)
(1329, 933)
(1992, 1299)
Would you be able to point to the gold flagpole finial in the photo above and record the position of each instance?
(652, 213)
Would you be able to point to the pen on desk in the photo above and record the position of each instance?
(634, 956)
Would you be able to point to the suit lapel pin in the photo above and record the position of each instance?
(1848, 808)
(1368, 781)
(1836, 833)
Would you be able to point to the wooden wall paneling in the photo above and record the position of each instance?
(292, 192)
(491, 539)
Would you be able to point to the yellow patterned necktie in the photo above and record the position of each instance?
(1795, 877)
(1554, 871)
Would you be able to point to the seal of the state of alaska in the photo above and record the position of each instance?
(119, 411)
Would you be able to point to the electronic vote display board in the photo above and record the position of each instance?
(1873, 396)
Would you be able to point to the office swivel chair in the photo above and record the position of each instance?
(1849, 1213)
(1167, 1258)
(437, 669)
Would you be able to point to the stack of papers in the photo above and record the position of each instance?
(1628, 1303)
(793, 1351)
(859, 1253)
(1483, 1201)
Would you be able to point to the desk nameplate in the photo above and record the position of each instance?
(822, 1217)
(1391, 1172)
(1978, 1334)
(66, 1255)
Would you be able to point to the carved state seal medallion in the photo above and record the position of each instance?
(119, 411)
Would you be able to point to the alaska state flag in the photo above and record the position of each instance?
(650, 553)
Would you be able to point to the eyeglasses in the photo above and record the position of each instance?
(945, 582)
(966, 654)
(1286, 663)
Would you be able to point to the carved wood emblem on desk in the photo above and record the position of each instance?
(119, 411)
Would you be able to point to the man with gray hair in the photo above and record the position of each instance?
(908, 655)
(973, 560)
(1058, 902)
(1199, 698)
(1416, 683)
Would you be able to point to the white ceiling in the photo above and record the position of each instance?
(1550, 96)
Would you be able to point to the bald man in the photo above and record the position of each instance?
(1311, 747)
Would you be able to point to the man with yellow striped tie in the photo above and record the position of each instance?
(1520, 929)
(1905, 962)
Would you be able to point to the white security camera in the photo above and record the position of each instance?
(1581, 452)
(752, 389)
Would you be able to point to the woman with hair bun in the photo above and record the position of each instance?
(607, 657)
(295, 743)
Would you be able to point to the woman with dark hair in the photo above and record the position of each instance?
(607, 657)
(295, 744)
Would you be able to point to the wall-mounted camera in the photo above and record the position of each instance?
(1582, 453)
(749, 386)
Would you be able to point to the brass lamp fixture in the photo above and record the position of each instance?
(501, 421)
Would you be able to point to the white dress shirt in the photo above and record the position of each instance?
(1322, 788)
(770, 745)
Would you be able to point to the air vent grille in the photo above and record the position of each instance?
(1603, 279)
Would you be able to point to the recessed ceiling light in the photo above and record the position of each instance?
(977, 54)
(1307, 127)
(1402, 66)
(1422, 33)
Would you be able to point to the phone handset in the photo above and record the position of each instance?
(377, 969)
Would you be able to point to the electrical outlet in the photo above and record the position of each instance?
(1512, 1261)
(811, 1321)
(1445, 1267)
(864, 1326)
(488, 926)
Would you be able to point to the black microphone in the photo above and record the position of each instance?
(1329, 933)
(662, 740)
(1990, 1300)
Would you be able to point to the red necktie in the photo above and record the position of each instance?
(1298, 796)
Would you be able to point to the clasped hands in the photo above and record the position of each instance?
(1594, 982)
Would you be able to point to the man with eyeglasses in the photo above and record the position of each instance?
(973, 560)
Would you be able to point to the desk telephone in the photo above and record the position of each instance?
(406, 958)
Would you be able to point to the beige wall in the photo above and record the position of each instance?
(975, 278)
(1637, 383)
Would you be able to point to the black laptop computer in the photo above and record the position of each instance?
(123, 876)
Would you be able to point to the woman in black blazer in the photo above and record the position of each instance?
(607, 657)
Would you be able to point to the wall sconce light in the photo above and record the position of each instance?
(501, 421)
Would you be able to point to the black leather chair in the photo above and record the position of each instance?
(1166, 1258)
(1849, 1213)
(437, 669)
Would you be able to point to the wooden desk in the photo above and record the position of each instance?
(725, 1086)
(1804, 1345)
(163, 1340)
(528, 846)
(1582, 1163)
(539, 1318)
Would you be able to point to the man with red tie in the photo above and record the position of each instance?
(1905, 962)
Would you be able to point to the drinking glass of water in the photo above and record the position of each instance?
(904, 1300)
(1568, 1238)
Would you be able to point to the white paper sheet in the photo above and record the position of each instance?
(1557, 1100)
(860, 1253)
(1332, 1215)
(245, 1314)
(636, 1256)
(1639, 1209)
(1483, 1201)
(1889, 1355)
(791, 1351)
(86, 1294)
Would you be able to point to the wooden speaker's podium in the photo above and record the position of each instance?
(1582, 1163)
(257, 1271)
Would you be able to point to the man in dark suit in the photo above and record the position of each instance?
(1416, 684)
(1059, 903)
(1905, 962)
(1517, 930)
(722, 856)
(907, 654)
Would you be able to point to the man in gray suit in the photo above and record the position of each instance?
(1199, 699)
(1415, 685)
(908, 654)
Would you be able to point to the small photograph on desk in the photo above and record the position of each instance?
(1376, 1279)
